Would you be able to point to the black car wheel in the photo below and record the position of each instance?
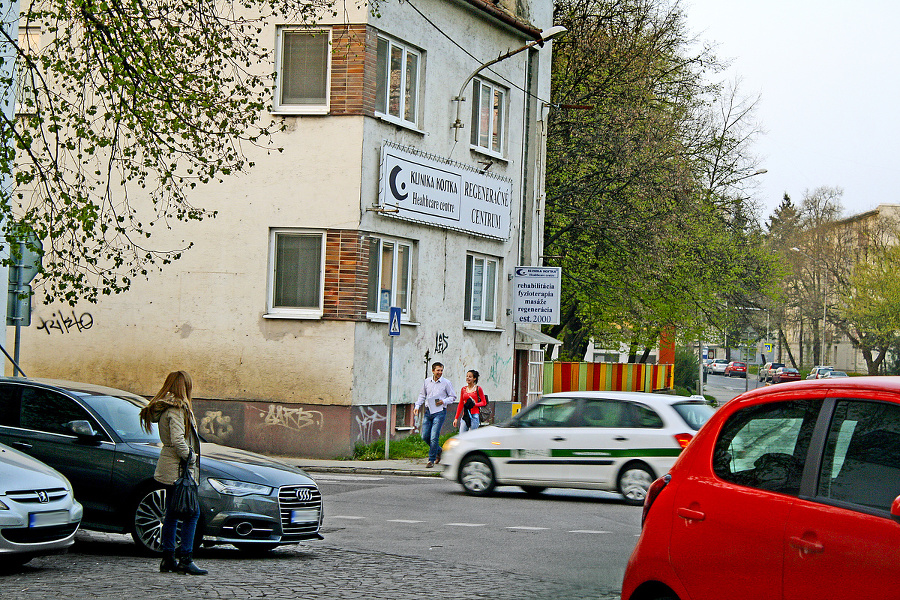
(477, 476)
(146, 528)
(634, 481)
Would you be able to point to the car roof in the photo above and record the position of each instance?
(88, 389)
(644, 397)
(842, 385)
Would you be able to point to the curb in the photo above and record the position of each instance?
(369, 471)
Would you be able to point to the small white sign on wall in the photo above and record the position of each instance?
(536, 294)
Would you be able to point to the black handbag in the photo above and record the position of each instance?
(185, 502)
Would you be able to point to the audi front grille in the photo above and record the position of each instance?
(306, 499)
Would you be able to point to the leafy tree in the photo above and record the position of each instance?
(131, 104)
(644, 201)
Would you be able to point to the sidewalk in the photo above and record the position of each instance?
(409, 467)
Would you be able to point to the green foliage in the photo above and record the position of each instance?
(687, 369)
(135, 103)
(412, 446)
(643, 211)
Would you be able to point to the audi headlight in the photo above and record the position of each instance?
(231, 487)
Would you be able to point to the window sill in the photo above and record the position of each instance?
(482, 327)
(402, 124)
(488, 153)
(383, 318)
(286, 111)
(312, 315)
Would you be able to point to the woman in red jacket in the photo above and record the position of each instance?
(471, 399)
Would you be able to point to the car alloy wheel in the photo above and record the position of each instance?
(634, 481)
(148, 520)
(477, 476)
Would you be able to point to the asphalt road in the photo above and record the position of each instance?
(385, 537)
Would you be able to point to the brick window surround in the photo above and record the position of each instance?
(346, 275)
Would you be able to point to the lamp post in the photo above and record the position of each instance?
(824, 301)
(546, 36)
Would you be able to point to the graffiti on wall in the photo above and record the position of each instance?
(216, 426)
(499, 364)
(441, 342)
(65, 324)
(371, 424)
(294, 419)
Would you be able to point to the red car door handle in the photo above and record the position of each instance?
(691, 515)
(806, 546)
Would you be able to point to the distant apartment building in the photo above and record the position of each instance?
(390, 192)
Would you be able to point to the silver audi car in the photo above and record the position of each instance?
(38, 512)
(91, 434)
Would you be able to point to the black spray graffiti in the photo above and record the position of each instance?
(66, 324)
(441, 343)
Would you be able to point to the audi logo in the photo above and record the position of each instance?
(304, 495)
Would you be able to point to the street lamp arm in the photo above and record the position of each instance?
(546, 36)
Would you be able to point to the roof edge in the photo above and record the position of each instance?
(504, 17)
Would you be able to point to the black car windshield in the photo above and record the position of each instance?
(121, 415)
(695, 414)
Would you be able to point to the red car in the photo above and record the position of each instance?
(787, 492)
(785, 374)
(736, 368)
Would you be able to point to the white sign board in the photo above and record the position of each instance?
(444, 193)
(536, 293)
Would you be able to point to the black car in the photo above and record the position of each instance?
(91, 434)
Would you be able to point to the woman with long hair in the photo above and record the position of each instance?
(471, 401)
(171, 409)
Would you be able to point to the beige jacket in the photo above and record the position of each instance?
(177, 437)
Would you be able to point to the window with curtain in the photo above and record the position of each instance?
(397, 82)
(488, 114)
(296, 261)
(481, 290)
(389, 275)
(303, 68)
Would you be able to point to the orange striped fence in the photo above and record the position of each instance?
(628, 377)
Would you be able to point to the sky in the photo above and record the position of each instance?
(828, 76)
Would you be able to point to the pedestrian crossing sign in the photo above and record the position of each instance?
(394, 321)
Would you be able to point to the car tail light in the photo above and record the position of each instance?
(655, 488)
(683, 439)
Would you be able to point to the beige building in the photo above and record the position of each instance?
(390, 192)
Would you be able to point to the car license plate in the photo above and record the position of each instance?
(308, 515)
(46, 519)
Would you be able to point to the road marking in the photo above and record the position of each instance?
(345, 517)
(587, 531)
(528, 528)
(465, 524)
(403, 521)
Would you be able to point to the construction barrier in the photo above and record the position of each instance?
(628, 377)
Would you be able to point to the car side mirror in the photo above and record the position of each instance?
(895, 509)
(82, 429)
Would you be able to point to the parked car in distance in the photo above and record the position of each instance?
(706, 363)
(717, 367)
(818, 371)
(614, 441)
(801, 482)
(38, 512)
(736, 368)
(785, 374)
(834, 375)
(91, 434)
(768, 370)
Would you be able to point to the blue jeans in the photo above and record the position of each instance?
(431, 432)
(474, 418)
(170, 525)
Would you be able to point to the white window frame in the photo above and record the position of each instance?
(375, 254)
(294, 312)
(382, 77)
(495, 124)
(481, 312)
(300, 109)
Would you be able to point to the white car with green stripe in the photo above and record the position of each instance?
(614, 441)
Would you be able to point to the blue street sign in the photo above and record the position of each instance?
(394, 321)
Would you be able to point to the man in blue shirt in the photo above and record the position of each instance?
(437, 394)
